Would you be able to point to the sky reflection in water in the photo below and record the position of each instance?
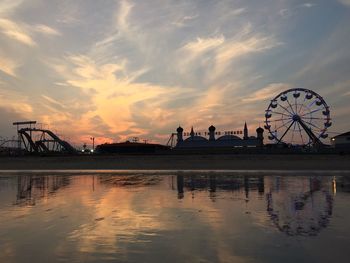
(183, 217)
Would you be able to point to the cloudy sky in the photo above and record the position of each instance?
(115, 69)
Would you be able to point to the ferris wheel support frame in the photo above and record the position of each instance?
(313, 137)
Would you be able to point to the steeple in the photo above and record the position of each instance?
(245, 135)
(192, 132)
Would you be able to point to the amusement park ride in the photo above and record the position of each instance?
(298, 117)
(37, 140)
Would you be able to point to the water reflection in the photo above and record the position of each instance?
(295, 205)
(300, 206)
(208, 217)
(30, 188)
(136, 180)
(214, 183)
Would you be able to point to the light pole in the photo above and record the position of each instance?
(93, 143)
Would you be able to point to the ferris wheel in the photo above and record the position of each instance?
(298, 117)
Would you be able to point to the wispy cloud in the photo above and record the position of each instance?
(309, 5)
(183, 21)
(294, 10)
(16, 102)
(236, 48)
(54, 102)
(8, 66)
(238, 11)
(8, 6)
(224, 50)
(16, 31)
(344, 2)
(201, 45)
(267, 93)
(122, 15)
(46, 30)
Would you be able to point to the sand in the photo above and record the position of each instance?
(179, 162)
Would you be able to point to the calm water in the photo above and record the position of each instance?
(174, 217)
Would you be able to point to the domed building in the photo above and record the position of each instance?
(195, 140)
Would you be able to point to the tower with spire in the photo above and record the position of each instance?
(260, 136)
(245, 131)
(211, 133)
(192, 133)
(179, 134)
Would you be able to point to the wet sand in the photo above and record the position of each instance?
(178, 162)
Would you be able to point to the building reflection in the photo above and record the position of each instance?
(180, 186)
(31, 188)
(299, 205)
(214, 183)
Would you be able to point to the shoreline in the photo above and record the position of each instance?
(246, 162)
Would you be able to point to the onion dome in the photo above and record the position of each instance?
(211, 128)
(180, 129)
(259, 130)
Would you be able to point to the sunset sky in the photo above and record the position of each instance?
(114, 69)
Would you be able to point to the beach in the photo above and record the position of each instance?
(179, 162)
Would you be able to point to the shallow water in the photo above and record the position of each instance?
(174, 217)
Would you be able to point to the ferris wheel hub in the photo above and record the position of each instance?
(296, 117)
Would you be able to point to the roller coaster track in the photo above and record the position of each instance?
(39, 145)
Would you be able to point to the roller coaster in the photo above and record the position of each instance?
(37, 140)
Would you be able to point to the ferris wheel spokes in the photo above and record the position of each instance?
(286, 132)
(279, 120)
(285, 109)
(311, 112)
(290, 105)
(284, 125)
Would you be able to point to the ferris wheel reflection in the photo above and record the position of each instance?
(300, 206)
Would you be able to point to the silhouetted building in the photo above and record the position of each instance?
(341, 141)
(130, 147)
(195, 140)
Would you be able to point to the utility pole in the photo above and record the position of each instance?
(93, 143)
